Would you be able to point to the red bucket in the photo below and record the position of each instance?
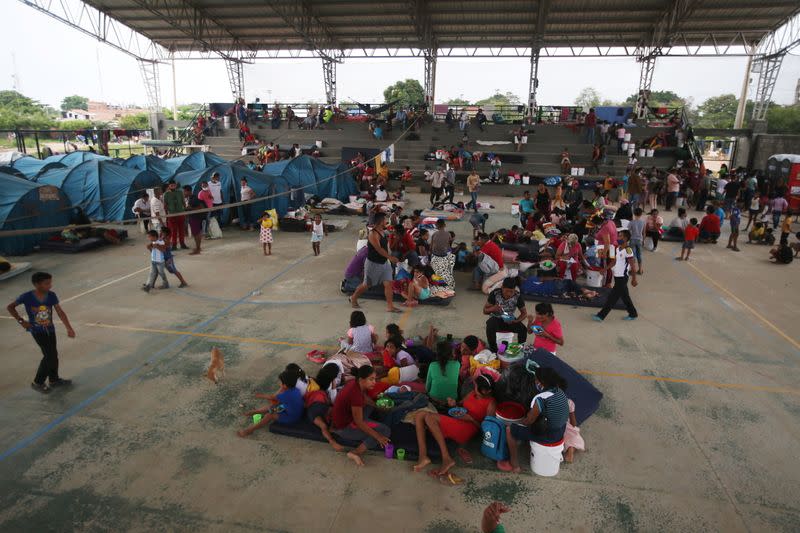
(510, 412)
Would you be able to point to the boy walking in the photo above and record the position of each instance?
(157, 268)
(169, 259)
(636, 227)
(690, 235)
(40, 304)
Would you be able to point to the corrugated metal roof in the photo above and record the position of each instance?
(228, 25)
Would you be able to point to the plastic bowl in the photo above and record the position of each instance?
(457, 412)
(510, 412)
(384, 403)
(507, 318)
(537, 329)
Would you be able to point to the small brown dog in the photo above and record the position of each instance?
(217, 367)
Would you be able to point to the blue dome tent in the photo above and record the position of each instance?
(28, 205)
(194, 178)
(263, 185)
(73, 159)
(31, 167)
(163, 168)
(11, 171)
(104, 190)
(199, 161)
(315, 177)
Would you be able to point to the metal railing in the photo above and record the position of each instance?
(98, 139)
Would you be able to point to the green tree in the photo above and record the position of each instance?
(139, 121)
(409, 92)
(76, 124)
(717, 112)
(783, 119)
(75, 102)
(499, 98)
(457, 101)
(588, 98)
(19, 111)
(659, 98)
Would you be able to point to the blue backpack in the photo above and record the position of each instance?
(494, 445)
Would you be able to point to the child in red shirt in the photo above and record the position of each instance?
(690, 235)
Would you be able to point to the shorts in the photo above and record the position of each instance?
(317, 409)
(315, 237)
(734, 229)
(754, 212)
(377, 273)
(169, 264)
(688, 245)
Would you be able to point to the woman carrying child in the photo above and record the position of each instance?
(479, 404)
(350, 415)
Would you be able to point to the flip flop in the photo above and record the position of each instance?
(450, 479)
(394, 311)
(505, 466)
(316, 356)
(464, 455)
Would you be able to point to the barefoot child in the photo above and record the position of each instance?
(572, 435)
(318, 401)
(690, 235)
(169, 259)
(40, 304)
(361, 337)
(265, 235)
(288, 401)
(317, 233)
(156, 247)
(735, 220)
(419, 288)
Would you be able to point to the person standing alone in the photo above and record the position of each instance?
(40, 304)
(174, 204)
(622, 266)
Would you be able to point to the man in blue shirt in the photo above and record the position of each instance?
(40, 304)
(526, 208)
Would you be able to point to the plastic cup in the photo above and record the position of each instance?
(257, 418)
(501, 348)
(401, 454)
(388, 451)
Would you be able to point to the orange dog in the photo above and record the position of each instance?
(217, 367)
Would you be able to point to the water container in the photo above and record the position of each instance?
(627, 137)
(515, 209)
(546, 460)
(642, 152)
(651, 152)
(581, 171)
(594, 278)
(574, 171)
(319, 144)
(624, 146)
(526, 180)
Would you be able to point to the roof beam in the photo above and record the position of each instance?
(666, 29)
(196, 24)
(317, 35)
(420, 18)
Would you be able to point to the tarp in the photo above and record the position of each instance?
(263, 185)
(315, 177)
(163, 168)
(104, 190)
(6, 158)
(612, 114)
(199, 161)
(27, 205)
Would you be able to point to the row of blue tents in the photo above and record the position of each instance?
(106, 188)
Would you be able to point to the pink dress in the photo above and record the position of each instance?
(572, 435)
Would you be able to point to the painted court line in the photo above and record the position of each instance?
(80, 406)
(104, 285)
(755, 313)
(737, 386)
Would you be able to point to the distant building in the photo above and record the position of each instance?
(77, 114)
(104, 112)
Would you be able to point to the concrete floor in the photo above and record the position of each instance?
(697, 430)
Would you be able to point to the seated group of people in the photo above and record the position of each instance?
(430, 376)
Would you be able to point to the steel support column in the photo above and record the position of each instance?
(329, 74)
(235, 70)
(152, 83)
(767, 69)
(430, 78)
(647, 68)
(533, 83)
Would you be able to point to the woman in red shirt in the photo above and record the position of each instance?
(479, 404)
(549, 334)
(350, 415)
(570, 249)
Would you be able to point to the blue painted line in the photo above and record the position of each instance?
(80, 406)
(257, 302)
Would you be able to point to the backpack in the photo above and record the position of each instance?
(494, 445)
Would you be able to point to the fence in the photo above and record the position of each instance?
(75, 140)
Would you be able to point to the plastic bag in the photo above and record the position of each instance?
(648, 244)
(214, 231)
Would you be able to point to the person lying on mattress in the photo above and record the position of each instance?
(547, 283)
(402, 367)
(461, 428)
(350, 415)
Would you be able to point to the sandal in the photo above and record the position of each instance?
(505, 466)
(450, 480)
(316, 356)
(464, 455)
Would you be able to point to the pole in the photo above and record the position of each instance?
(38, 150)
(737, 123)
(174, 92)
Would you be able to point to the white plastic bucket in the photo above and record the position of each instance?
(319, 144)
(515, 209)
(642, 152)
(574, 171)
(631, 151)
(526, 180)
(511, 180)
(624, 146)
(627, 137)
(226, 122)
(594, 278)
(353, 198)
(581, 171)
(546, 460)
(651, 152)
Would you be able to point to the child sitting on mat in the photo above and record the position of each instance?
(400, 364)
(318, 401)
(572, 435)
(361, 336)
(419, 288)
(302, 379)
(286, 408)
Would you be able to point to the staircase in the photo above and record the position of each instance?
(541, 156)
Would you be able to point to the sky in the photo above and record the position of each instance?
(61, 61)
